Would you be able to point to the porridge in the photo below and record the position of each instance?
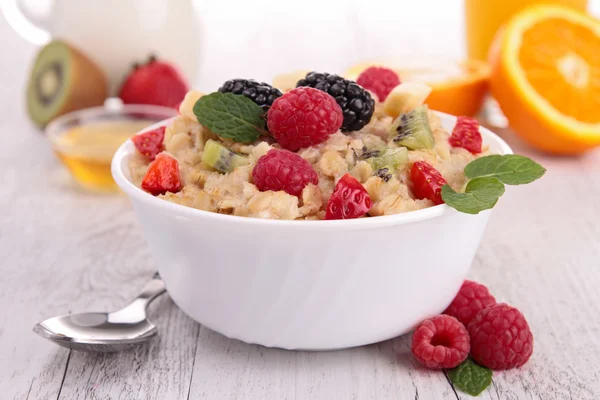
(317, 156)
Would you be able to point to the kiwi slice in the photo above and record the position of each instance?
(219, 157)
(412, 130)
(62, 80)
(386, 161)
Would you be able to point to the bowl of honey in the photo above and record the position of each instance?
(86, 140)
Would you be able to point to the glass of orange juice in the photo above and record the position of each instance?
(86, 140)
(483, 18)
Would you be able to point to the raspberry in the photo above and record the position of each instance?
(440, 342)
(500, 337)
(162, 176)
(357, 104)
(466, 135)
(349, 200)
(471, 298)
(150, 143)
(379, 80)
(303, 117)
(283, 170)
(427, 182)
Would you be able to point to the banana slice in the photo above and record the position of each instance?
(186, 108)
(406, 97)
(287, 82)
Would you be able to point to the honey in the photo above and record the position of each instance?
(87, 150)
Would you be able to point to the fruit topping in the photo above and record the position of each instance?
(379, 80)
(348, 200)
(405, 97)
(287, 82)
(62, 80)
(162, 176)
(412, 130)
(440, 342)
(389, 158)
(471, 298)
(466, 135)
(150, 143)
(262, 94)
(427, 182)
(219, 157)
(303, 117)
(500, 337)
(156, 82)
(283, 170)
(356, 103)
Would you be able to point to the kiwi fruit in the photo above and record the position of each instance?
(219, 157)
(412, 130)
(62, 80)
(391, 158)
(386, 161)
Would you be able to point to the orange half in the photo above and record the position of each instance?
(458, 87)
(546, 78)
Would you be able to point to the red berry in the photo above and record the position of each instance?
(283, 170)
(349, 200)
(304, 117)
(500, 337)
(162, 176)
(427, 182)
(466, 135)
(156, 82)
(379, 80)
(150, 143)
(440, 342)
(471, 298)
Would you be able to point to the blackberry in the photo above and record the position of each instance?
(357, 104)
(262, 94)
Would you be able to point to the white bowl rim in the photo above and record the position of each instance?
(140, 195)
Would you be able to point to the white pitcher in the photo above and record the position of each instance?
(114, 33)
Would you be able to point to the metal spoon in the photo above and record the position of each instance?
(105, 332)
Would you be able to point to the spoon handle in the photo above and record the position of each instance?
(136, 310)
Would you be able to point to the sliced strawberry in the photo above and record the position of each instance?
(349, 200)
(155, 82)
(427, 182)
(162, 176)
(150, 143)
(466, 135)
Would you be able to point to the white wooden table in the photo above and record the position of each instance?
(62, 250)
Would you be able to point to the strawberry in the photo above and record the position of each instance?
(466, 135)
(427, 182)
(349, 200)
(155, 82)
(162, 176)
(150, 143)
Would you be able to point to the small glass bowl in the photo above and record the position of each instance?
(86, 140)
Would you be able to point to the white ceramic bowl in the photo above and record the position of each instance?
(308, 284)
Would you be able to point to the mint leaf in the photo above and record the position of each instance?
(480, 194)
(470, 377)
(231, 116)
(510, 169)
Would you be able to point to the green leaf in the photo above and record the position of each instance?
(231, 116)
(480, 194)
(510, 169)
(470, 377)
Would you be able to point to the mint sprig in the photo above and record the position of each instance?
(480, 194)
(470, 377)
(487, 178)
(231, 116)
(511, 169)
